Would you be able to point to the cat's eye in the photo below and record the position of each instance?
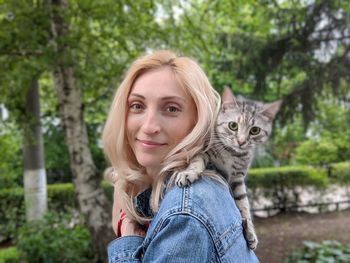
(233, 126)
(255, 130)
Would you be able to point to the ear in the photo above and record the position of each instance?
(271, 109)
(228, 99)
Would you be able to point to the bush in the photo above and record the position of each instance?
(282, 184)
(317, 152)
(327, 252)
(61, 198)
(340, 173)
(12, 212)
(287, 177)
(9, 255)
(56, 238)
(10, 157)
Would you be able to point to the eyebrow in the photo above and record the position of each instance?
(163, 98)
(137, 95)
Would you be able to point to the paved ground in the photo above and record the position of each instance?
(280, 235)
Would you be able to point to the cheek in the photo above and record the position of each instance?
(131, 124)
(179, 131)
(130, 130)
(178, 135)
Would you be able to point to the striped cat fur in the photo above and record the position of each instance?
(241, 126)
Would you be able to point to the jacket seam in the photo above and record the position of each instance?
(197, 217)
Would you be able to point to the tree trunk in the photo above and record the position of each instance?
(92, 201)
(35, 192)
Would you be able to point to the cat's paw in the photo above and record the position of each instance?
(185, 178)
(249, 234)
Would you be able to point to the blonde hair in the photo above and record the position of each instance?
(130, 176)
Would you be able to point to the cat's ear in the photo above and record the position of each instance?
(271, 109)
(228, 99)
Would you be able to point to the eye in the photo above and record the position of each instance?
(172, 109)
(233, 126)
(254, 130)
(136, 107)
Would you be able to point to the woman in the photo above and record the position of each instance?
(161, 116)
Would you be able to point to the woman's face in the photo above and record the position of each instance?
(160, 115)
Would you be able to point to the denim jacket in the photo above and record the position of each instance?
(199, 223)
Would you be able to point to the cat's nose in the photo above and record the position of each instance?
(241, 142)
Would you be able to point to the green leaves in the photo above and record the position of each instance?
(267, 49)
(9, 255)
(319, 152)
(10, 156)
(286, 177)
(329, 251)
(57, 238)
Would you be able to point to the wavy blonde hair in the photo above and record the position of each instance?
(129, 176)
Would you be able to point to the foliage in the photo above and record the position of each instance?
(267, 50)
(12, 212)
(316, 152)
(9, 255)
(263, 50)
(61, 198)
(289, 176)
(56, 155)
(92, 40)
(104, 37)
(94, 132)
(285, 140)
(328, 135)
(282, 184)
(56, 238)
(10, 156)
(340, 173)
(272, 50)
(325, 252)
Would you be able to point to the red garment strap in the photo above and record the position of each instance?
(120, 221)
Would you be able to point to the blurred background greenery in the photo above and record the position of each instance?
(263, 49)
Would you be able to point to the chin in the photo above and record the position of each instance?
(240, 149)
(149, 162)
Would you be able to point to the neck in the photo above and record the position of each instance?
(152, 173)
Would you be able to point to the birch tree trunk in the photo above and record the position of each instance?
(35, 192)
(92, 201)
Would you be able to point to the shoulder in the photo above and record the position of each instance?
(206, 192)
(204, 209)
(207, 200)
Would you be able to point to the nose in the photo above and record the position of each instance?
(151, 124)
(241, 141)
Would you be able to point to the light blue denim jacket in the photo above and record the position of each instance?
(199, 223)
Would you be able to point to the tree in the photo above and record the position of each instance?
(91, 198)
(67, 66)
(87, 46)
(268, 49)
(33, 157)
(22, 101)
(328, 135)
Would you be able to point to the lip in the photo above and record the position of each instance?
(150, 144)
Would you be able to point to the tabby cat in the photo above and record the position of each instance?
(241, 125)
